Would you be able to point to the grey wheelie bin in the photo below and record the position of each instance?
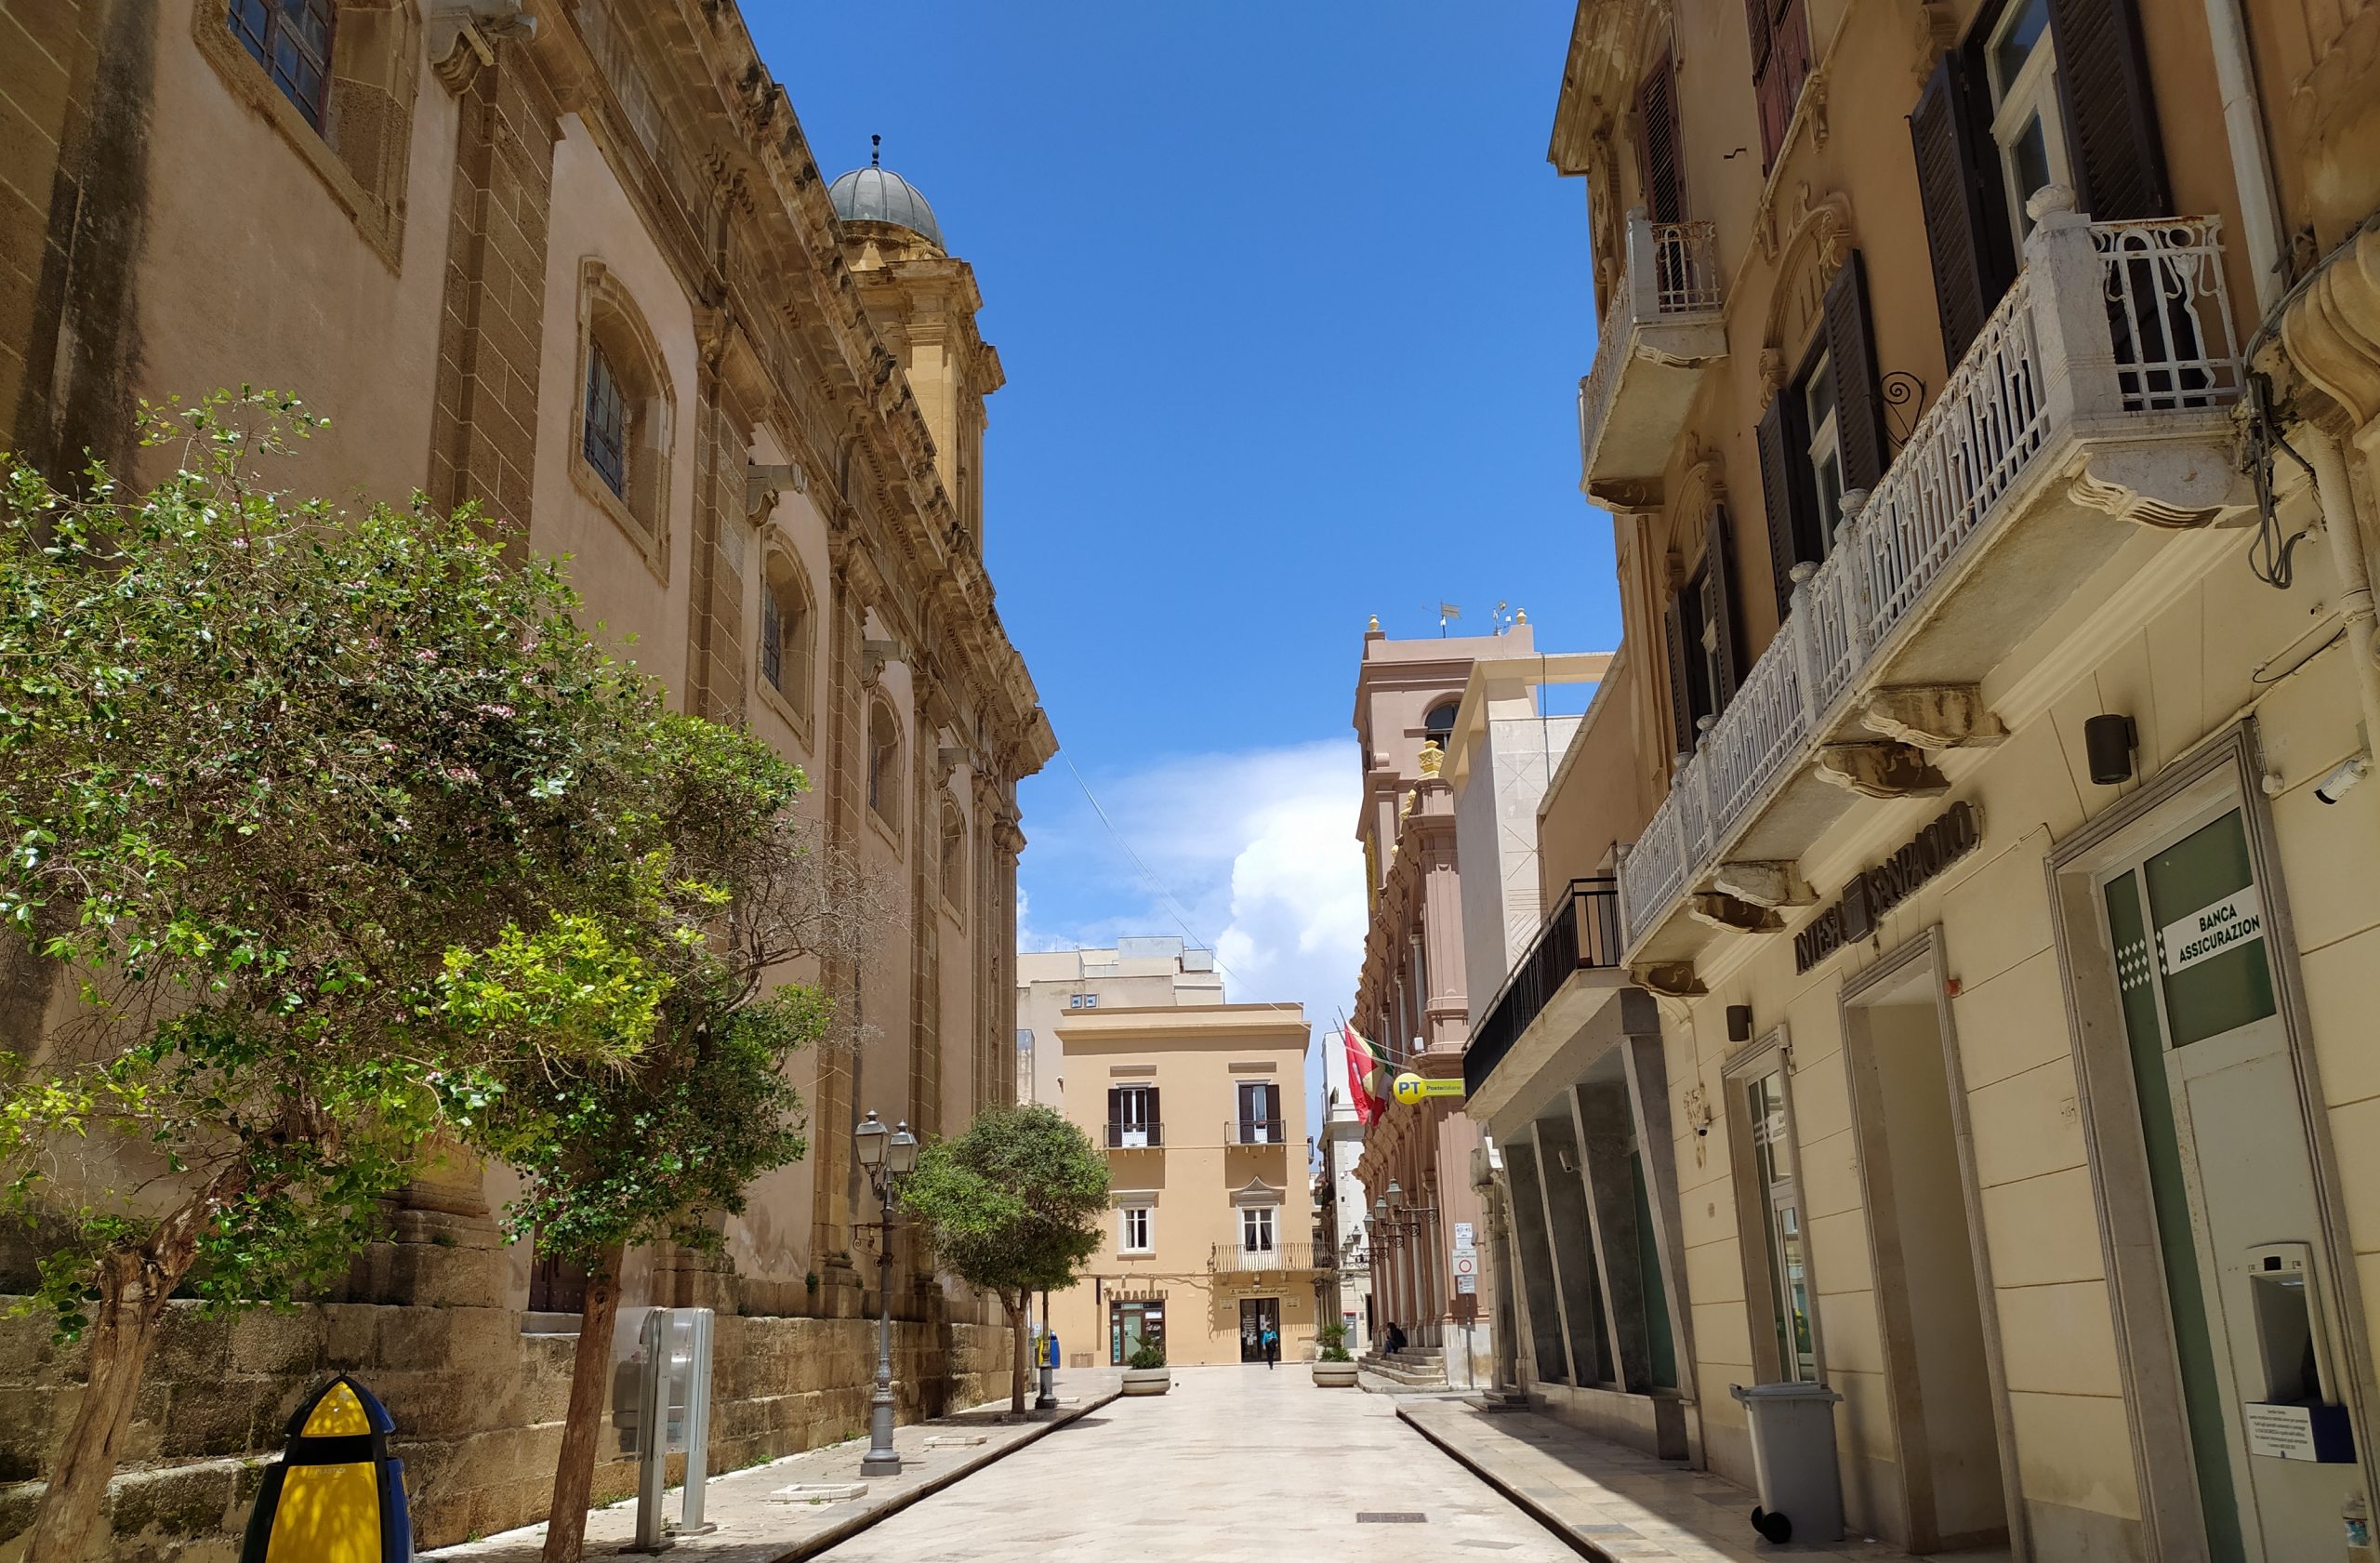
(1792, 1459)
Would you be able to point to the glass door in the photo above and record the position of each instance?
(1788, 1275)
(2231, 1182)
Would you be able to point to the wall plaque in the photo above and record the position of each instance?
(1870, 895)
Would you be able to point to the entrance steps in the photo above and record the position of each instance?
(1411, 1370)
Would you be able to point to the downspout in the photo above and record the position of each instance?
(2243, 127)
(2337, 501)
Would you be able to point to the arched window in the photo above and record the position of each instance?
(1438, 726)
(884, 765)
(626, 414)
(953, 855)
(787, 632)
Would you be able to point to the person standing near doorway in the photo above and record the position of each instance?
(1272, 1347)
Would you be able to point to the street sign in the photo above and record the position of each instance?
(1466, 1262)
(1462, 1233)
(1466, 1286)
(1411, 1088)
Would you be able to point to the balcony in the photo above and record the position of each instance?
(1230, 1259)
(1135, 1136)
(1568, 973)
(1663, 331)
(1256, 1132)
(2093, 402)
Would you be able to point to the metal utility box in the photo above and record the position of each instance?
(665, 1384)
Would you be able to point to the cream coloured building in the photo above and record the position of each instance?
(1972, 1015)
(1201, 1109)
(1135, 972)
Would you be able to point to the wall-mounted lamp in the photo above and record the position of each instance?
(1739, 1023)
(2108, 743)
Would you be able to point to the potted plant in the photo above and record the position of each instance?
(1334, 1368)
(1145, 1372)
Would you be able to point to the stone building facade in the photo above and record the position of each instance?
(577, 265)
(1986, 1008)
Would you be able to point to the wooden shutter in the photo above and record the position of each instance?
(1660, 160)
(1782, 497)
(1756, 19)
(1115, 1113)
(2111, 115)
(1958, 189)
(1719, 613)
(1681, 700)
(1156, 1120)
(1274, 1134)
(1851, 348)
(1247, 1114)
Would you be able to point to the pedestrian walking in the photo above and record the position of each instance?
(1271, 1347)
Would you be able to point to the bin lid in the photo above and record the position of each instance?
(1749, 1393)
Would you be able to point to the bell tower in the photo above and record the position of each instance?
(923, 303)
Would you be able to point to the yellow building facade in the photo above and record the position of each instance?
(1202, 1112)
(1981, 986)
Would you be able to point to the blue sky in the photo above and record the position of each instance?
(1293, 311)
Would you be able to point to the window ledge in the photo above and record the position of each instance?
(884, 827)
(950, 909)
(655, 551)
(804, 731)
(382, 224)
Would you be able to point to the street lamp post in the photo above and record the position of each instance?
(889, 1158)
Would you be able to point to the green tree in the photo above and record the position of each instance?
(1013, 1206)
(323, 814)
(614, 1155)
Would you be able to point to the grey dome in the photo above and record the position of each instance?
(877, 194)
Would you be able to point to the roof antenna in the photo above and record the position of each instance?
(876, 152)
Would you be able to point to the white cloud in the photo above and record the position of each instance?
(1255, 850)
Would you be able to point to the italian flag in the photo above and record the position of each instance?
(1363, 1066)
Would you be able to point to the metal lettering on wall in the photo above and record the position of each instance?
(1870, 895)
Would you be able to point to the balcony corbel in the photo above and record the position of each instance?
(2172, 485)
(1720, 910)
(1671, 979)
(1882, 770)
(1763, 884)
(1933, 716)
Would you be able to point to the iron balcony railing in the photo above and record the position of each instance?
(1258, 1131)
(2138, 314)
(1135, 1136)
(1232, 1259)
(1582, 933)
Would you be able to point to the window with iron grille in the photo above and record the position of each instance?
(292, 40)
(772, 640)
(607, 422)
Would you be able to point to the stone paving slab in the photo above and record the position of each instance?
(1607, 1501)
(755, 1523)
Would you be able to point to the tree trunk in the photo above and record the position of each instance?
(134, 1284)
(590, 1373)
(1018, 1368)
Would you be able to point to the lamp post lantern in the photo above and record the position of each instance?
(889, 1158)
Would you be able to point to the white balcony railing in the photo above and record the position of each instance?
(2136, 317)
(1673, 273)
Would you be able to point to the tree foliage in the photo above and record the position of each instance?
(1013, 1204)
(324, 812)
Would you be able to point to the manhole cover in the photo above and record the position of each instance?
(1364, 1518)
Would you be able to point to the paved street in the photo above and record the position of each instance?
(1234, 1463)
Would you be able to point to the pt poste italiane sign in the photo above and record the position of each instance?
(1873, 893)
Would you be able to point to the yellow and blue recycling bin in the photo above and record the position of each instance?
(335, 1495)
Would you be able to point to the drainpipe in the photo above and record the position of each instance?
(2337, 500)
(2243, 126)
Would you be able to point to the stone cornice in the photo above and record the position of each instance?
(780, 280)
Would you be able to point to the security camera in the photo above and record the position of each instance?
(2335, 785)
